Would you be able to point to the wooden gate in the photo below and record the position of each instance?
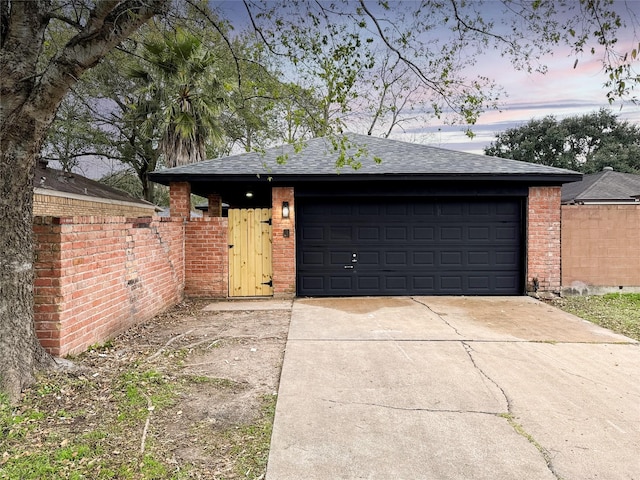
(250, 265)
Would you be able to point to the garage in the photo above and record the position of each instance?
(415, 246)
(356, 215)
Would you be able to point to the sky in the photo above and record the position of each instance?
(563, 91)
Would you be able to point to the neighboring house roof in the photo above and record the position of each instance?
(314, 166)
(57, 182)
(607, 186)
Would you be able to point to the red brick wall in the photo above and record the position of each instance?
(96, 276)
(284, 248)
(214, 203)
(180, 199)
(543, 239)
(206, 257)
(600, 246)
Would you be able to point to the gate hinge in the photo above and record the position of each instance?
(270, 283)
(266, 221)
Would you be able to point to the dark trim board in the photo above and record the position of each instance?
(360, 246)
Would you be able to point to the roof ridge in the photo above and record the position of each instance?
(596, 178)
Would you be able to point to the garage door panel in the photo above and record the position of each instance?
(479, 282)
(396, 283)
(423, 259)
(479, 233)
(339, 233)
(423, 233)
(310, 233)
(452, 209)
(479, 209)
(369, 283)
(507, 258)
(506, 232)
(395, 259)
(506, 283)
(313, 258)
(451, 283)
(479, 259)
(395, 233)
(367, 233)
(341, 283)
(450, 259)
(313, 283)
(424, 284)
(409, 246)
(450, 233)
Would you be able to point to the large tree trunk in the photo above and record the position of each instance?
(28, 103)
(20, 352)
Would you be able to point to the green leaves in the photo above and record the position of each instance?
(586, 143)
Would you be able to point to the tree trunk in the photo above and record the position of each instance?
(28, 103)
(20, 352)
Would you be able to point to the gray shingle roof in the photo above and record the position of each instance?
(318, 158)
(59, 181)
(607, 185)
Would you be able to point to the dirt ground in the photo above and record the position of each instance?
(207, 377)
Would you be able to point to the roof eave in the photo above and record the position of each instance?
(533, 178)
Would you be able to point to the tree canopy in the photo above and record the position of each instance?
(585, 143)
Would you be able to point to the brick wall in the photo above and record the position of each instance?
(206, 257)
(180, 199)
(284, 248)
(543, 239)
(600, 246)
(63, 206)
(96, 276)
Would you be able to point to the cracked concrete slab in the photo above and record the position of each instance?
(580, 401)
(386, 318)
(454, 388)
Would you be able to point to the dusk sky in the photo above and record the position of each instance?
(563, 91)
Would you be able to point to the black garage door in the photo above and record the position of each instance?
(423, 246)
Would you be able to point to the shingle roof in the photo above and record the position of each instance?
(607, 185)
(318, 158)
(56, 180)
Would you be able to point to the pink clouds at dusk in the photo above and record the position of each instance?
(562, 91)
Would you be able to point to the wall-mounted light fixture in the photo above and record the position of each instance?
(248, 194)
(285, 209)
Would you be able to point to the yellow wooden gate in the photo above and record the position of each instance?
(250, 265)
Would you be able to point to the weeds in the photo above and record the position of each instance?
(45, 444)
(252, 442)
(619, 312)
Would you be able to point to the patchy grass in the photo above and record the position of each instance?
(251, 442)
(53, 435)
(132, 409)
(619, 312)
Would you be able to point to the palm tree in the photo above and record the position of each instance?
(182, 96)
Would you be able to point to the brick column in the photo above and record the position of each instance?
(543, 239)
(215, 206)
(180, 199)
(284, 243)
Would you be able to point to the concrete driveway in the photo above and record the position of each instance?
(454, 388)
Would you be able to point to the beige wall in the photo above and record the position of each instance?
(75, 206)
(600, 247)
